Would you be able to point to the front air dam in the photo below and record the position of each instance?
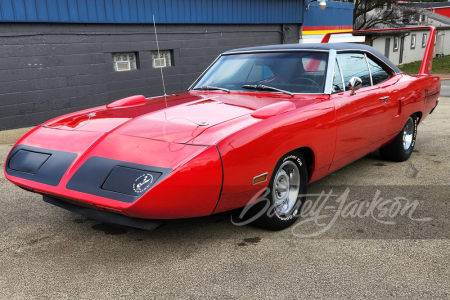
(104, 216)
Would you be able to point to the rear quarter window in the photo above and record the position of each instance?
(378, 73)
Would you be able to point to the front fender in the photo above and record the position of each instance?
(192, 190)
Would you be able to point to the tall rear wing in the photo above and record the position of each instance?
(427, 62)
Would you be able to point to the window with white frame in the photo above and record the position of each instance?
(413, 41)
(162, 58)
(395, 43)
(124, 61)
(424, 40)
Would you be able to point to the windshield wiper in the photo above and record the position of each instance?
(211, 88)
(262, 87)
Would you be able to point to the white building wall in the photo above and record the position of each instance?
(443, 42)
(409, 54)
(413, 54)
(380, 44)
(337, 38)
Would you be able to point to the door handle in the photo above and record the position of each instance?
(340, 104)
(384, 98)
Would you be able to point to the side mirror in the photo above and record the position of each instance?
(354, 84)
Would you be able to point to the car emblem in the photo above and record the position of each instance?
(91, 115)
(142, 183)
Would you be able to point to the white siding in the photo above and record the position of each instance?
(416, 54)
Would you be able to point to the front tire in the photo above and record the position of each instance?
(286, 194)
(402, 147)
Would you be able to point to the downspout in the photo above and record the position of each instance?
(402, 45)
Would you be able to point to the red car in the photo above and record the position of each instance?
(277, 116)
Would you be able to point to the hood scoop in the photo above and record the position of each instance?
(273, 110)
(136, 100)
(102, 120)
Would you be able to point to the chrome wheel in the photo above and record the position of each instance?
(408, 133)
(286, 187)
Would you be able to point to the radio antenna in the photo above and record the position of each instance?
(162, 75)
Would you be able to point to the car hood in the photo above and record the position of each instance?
(183, 123)
(189, 118)
(186, 117)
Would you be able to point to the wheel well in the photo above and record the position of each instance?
(308, 154)
(419, 114)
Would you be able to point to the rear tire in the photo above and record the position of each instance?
(402, 147)
(286, 194)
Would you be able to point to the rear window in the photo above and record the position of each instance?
(314, 62)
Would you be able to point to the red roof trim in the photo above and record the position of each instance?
(328, 27)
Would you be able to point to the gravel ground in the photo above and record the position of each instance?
(49, 253)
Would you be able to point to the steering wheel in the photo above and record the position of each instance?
(305, 78)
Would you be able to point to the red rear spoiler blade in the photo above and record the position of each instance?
(427, 62)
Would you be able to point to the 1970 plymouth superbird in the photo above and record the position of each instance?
(278, 116)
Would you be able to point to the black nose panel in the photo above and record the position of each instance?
(130, 181)
(37, 164)
(28, 161)
(115, 179)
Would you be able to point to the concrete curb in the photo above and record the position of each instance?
(13, 135)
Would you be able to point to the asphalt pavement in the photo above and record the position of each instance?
(383, 233)
(445, 88)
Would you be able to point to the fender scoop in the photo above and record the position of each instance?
(273, 110)
(136, 100)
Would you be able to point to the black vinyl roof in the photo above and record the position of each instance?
(321, 46)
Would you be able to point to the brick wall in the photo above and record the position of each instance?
(47, 70)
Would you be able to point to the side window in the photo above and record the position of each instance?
(338, 85)
(354, 65)
(378, 73)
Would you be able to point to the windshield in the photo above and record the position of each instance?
(295, 72)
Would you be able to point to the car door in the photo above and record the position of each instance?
(387, 79)
(360, 118)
